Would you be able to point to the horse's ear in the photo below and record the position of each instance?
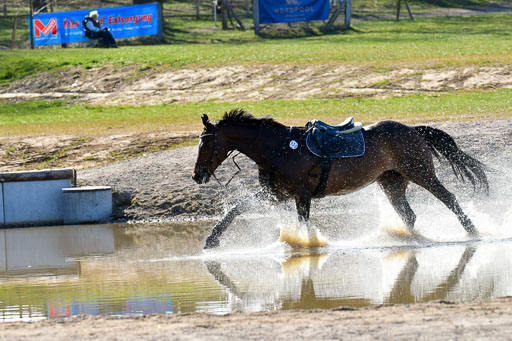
(206, 120)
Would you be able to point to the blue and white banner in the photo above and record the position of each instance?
(285, 11)
(123, 22)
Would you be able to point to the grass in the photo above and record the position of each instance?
(429, 42)
(44, 118)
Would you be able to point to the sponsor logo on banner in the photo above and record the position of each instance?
(40, 28)
(287, 11)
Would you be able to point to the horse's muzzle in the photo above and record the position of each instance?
(201, 179)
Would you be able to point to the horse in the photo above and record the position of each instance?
(396, 154)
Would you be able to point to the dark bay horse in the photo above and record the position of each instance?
(395, 155)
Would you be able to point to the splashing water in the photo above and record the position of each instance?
(297, 234)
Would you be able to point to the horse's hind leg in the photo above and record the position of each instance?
(394, 186)
(439, 191)
(423, 174)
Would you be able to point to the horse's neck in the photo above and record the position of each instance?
(261, 145)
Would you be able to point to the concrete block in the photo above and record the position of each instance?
(87, 204)
(3, 252)
(34, 202)
(2, 217)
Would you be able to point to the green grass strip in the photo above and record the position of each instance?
(36, 118)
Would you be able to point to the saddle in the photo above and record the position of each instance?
(338, 141)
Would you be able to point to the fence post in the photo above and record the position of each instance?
(256, 16)
(31, 25)
(197, 9)
(5, 7)
(160, 21)
(348, 12)
(13, 38)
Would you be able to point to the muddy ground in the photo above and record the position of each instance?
(237, 83)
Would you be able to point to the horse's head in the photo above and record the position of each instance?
(213, 150)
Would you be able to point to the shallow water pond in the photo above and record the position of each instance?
(48, 272)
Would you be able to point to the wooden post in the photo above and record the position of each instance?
(347, 5)
(197, 9)
(348, 12)
(160, 21)
(224, 15)
(5, 7)
(398, 9)
(13, 39)
(232, 12)
(31, 25)
(408, 9)
(256, 16)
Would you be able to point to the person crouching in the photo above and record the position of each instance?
(93, 30)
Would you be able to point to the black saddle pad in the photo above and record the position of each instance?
(325, 145)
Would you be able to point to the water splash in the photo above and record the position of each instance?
(297, 234)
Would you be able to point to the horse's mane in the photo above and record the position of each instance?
(242, 117)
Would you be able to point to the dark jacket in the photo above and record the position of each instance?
(88, 33)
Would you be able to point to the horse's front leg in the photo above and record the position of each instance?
(213, 240)
(303, 204)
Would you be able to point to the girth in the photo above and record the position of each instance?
(325, 170)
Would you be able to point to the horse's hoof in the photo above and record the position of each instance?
(474, 234)
(211, 242)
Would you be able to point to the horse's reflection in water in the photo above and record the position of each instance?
(321, 285)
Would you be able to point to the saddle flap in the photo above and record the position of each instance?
(329, 143)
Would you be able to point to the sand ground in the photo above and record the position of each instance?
(490, 320)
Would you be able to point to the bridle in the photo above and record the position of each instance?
(209, 164)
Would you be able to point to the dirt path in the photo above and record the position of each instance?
(428, 321)
(237, 83)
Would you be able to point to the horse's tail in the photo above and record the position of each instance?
(463, 165)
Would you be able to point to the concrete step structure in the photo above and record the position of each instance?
(37, 198)
(87, 204)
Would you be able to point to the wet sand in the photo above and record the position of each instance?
(426, 321)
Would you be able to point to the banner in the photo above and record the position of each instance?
(123, 22)
(285, 11)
